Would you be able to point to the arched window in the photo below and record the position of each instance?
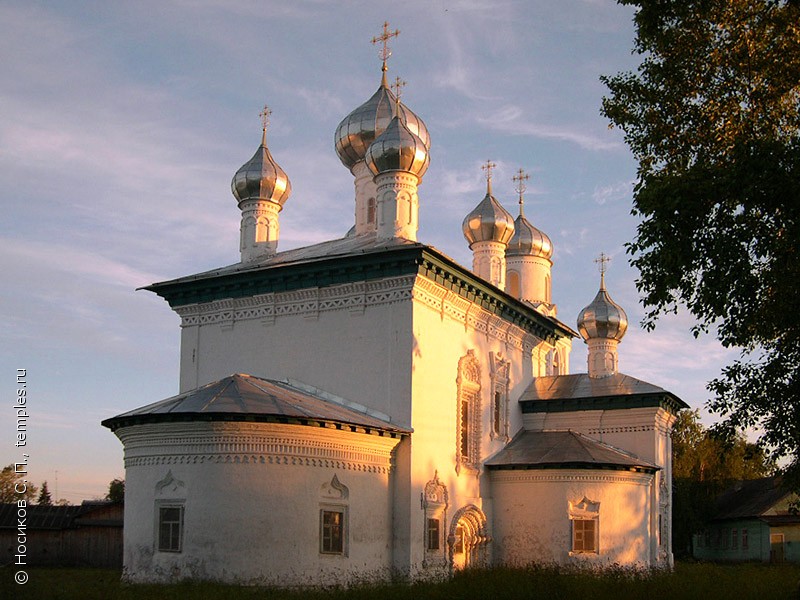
(468, 412)
(371, 213)
(434, 503)
(547, 289)
(512, 284)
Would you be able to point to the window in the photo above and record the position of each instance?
(584, 535)
(725, 538)
(170, 526)
(434, 503)
(468, 430)
(332, 531)
(500, 370)
(734, 539)
(497, 409)
(434, 534)
(745, 541)
(466, 400)
(585, 521)
(512, 285)
(371, 213)
(700, 539)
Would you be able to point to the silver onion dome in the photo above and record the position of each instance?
(398, 149)
(528, 240)
(488, 222)
(603, 318)
(363, 126)
(261, 178)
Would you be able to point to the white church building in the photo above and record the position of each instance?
(365, 408)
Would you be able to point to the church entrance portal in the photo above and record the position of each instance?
(468, 541)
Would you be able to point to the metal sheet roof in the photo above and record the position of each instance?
(245, 397)
(562, 387)
(563, 449)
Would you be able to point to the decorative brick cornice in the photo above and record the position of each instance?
(254, 444)
(567, 476)
(309, 302)
(448, 304)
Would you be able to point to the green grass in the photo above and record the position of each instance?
(689, 581)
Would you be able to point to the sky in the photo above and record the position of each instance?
(122, 125)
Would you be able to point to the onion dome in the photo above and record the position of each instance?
(603, 318)
(528, 240)
(261, 178)
(398, 149)
(489, 221)
(360, 128)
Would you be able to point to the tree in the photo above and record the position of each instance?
(712, 115)
(705, 462)
(44, 496)
(13, 486)
(116, 490)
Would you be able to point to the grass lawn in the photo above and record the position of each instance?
(690, 581)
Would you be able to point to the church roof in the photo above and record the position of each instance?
(564, 450)
(560, 393)
(354, 259)
(242, 397)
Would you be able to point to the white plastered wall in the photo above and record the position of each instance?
(249, 489)
(532, 522)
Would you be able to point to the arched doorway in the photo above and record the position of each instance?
(467, 541)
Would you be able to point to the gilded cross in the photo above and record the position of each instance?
(602, 260)
(488, 168)
(397, 87)
(520, 178)
(264, 114)
(384, 38)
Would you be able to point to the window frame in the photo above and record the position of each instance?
(160, 540)
(343, 530)
(595, 535)
(433, 534)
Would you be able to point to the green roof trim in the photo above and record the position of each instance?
(667, 401)
(350, 268)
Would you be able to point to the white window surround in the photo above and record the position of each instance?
(169, 526)
(468, 411)
(501, 383)
(584, 517)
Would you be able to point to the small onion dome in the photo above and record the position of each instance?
(488, 222)
(398, 149)
(363, 126)
(528, 240)
(261, 178)
(603, 318)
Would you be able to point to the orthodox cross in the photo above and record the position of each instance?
(264, 114)
(520, 178)
(488, 168)
(384, 38)
(397, 87)
(602, 260)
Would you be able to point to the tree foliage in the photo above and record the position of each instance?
(45, 499)
(705, 462)
(116, 490)
(12, 483)
(712, 115)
